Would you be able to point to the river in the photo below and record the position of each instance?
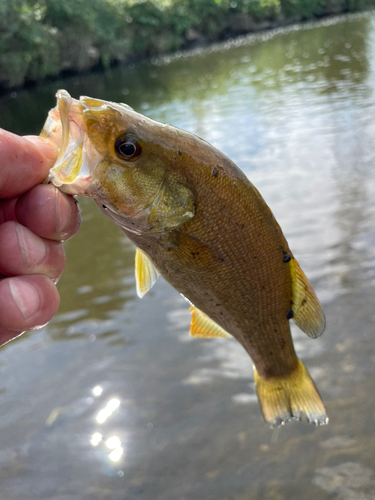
(113, 400)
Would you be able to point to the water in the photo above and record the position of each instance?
(113, 400)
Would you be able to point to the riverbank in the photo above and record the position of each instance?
(48, 39)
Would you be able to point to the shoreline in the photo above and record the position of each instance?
(263, 30)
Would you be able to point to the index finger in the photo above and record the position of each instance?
(24, 162)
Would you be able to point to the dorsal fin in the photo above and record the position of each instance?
(145, 273)
(202, 326)
(307, 312)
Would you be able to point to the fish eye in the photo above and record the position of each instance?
(128, 147)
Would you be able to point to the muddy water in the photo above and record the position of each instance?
(113, 400)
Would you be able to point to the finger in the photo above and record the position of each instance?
(6, 335)
(23, 252)
(26, 303)
(7, 210)
(25, 162)
(48, 213)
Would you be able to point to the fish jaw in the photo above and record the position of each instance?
(77, 158)
(143, 194)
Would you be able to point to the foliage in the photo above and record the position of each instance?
(355, 5)
(40, 38)
(28, 48)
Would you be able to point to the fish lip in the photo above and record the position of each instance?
(77, 158)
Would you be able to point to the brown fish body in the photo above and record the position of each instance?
(229, 260)
(197, 220)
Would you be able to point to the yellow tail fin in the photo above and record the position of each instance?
(290, 397)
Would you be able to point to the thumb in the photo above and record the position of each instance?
(24, 162)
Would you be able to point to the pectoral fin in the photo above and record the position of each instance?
(202, 326)
(307, 312)
(145, 273)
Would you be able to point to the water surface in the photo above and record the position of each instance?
(113, 400)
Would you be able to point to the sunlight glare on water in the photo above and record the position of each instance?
(97, 390)
(96, 438)
(106, 412)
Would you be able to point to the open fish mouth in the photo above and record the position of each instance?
(77, 158)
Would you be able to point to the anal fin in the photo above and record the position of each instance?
(289, 397)
(307, 311)
(202, 326)
(145, 273)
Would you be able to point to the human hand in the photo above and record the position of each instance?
(34, 218)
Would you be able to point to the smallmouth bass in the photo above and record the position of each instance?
(199, 222)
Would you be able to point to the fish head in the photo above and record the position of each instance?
(122, 159)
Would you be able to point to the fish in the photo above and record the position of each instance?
(197, 221)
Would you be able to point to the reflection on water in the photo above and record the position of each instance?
(96, 438)
(113, 399)
(106, 412)
(97, 391)
(348, 479)
(112, 443)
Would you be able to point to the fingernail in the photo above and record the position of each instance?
(48, 149)
(64, 213)
(25, 296)
(32, 247)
